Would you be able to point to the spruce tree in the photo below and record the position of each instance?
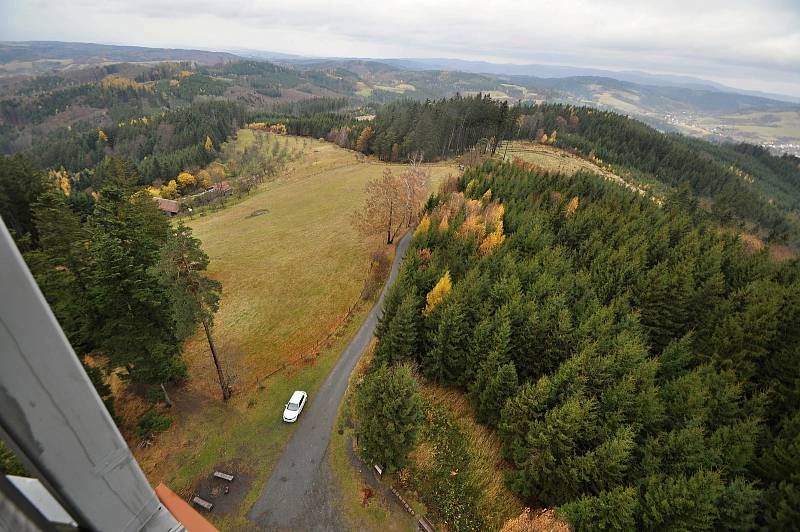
(446, 361)
(493, 384)
(739, 505)
(388, 412)
(680, 502)
(193, 295)
(609, 510)
(135, 327)
(399, 342)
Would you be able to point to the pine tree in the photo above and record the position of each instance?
(388, 413)
(493, 384)
(610, 510)
(681, 503)
(194, 296)
(399, 342)
(446, 361)
(134, 328)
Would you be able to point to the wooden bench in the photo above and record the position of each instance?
(424, 525)
(203, 503)
(223, 476)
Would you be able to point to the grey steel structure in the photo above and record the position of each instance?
(51, 415)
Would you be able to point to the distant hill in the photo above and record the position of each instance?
(561, 71)
(683, 104)
(41, 56)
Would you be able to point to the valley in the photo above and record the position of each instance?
(576, 296)
(293, 272)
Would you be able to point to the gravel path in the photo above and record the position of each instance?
(299, 493)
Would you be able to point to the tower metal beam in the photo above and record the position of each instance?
(54, 418)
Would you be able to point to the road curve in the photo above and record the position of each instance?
(298, 494)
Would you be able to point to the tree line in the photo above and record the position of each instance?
(160, 147)
(745, 184)
(642, 369)
(125, 285)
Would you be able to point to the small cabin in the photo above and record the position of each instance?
(168, 206)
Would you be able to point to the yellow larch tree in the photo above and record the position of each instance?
(438, 293)
(571, 207)
(362, 144)
(424, 225)
(493, 239)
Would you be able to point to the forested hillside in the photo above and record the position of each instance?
(641, 369)
(740, 183)
(161, 146)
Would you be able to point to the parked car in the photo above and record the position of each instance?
(295, 406)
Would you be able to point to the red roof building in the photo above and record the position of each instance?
(171, 207)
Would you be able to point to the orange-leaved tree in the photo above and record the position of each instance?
(383, 211)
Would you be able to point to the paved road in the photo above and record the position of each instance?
(298, 494)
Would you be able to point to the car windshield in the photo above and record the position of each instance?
(292, 407)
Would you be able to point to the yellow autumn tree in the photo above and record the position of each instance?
(487, 196)
(101, 135)
(470, 187)
(474, 225)
(424, 225)
(217, 172)
(438, 293)
(362, 144)
(61, 178)
(204, 178)
(186, 181)
(170, 190)
(209, 145)
(493, 239)
(278, 129)
(544, 138)
(553, 137)
(571, 207)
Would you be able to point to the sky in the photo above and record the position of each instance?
(749, 44)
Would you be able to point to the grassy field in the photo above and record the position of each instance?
(556, 160)
(400, 88)
(779, 126)
(291, 266)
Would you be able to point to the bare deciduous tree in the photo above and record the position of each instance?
(392, 201)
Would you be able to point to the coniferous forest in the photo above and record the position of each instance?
(641, 368)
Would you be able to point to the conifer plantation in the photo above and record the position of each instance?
(640, 367)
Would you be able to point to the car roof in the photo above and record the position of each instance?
(296, 396)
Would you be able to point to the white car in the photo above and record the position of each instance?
(295, 406)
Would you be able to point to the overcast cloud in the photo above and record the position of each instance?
(751, 44)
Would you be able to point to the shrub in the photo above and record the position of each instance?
(152, 422)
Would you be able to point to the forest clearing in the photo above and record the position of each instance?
(292, 266)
